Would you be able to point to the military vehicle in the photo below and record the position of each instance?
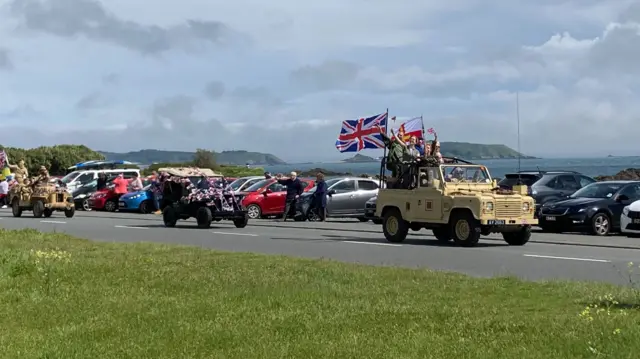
(42, 199)
(457, 200)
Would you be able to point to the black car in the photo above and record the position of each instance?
(547, 186)
(595, 208)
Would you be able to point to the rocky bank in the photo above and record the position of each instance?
(630, 174)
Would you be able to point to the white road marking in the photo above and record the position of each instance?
(568, 258)
(374, 243)
(56, 222)
(132, 227)
(237, 234)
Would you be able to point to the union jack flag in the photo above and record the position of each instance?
(357, 135)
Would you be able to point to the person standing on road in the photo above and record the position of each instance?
(320, 197)
(136, 183)
(4, 192)
(294, 190)
(120, 184)
(102, 181)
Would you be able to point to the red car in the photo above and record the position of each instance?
(267, 197)
(104, 199)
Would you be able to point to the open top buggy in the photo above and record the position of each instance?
(184, 196)
(42, 198)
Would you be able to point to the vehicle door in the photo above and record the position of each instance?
(366, 190)
(340, 197)
(83, 179)
(428, 200)
(626, 196)
(249, 183)
(584, 180)
(561, 186)
(274, 199)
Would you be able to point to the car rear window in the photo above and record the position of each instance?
(511, 180)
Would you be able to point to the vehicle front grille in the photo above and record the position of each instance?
(508, 209)
(553, 211)
(634, 214)
(60, 197)
(370, 205)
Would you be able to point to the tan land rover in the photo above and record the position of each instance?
(457, 201)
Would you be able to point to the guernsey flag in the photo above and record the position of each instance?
(413, 127)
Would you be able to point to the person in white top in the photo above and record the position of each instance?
(136, 183)
(4, 191)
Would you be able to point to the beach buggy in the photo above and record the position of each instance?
(183, 198)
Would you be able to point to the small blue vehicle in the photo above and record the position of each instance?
(141, 201)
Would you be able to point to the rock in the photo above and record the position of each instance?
(630, 174)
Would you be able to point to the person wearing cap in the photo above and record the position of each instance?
(294, 190)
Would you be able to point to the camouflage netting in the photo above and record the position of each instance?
(430, 161)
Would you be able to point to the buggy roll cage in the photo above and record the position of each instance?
(447, 161)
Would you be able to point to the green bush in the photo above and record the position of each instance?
(57, 158)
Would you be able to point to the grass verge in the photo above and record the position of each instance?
(64, 297)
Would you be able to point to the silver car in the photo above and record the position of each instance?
(346, 197)
(243, 183)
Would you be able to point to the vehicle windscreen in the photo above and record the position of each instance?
(70, 177)
(93, 183)
(256, 186)
(597, 190)
(473, 174)
(237, 183)
(511, 180)
(329, 183)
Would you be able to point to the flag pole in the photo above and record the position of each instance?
(383, 167)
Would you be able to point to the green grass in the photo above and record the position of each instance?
(154, 301)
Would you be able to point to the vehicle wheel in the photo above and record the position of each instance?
(254, 211)
(519, 238)
(241, 222)
(169, 217)
(15, 208)
(48, 212)
(85, 205)
(362, 219)
(145, 207)
(466, 229)
(312, 216)
(442, 234)
(38, 209)
(376, 221)
(111, 206)
(415, 227)
(600, 224)
(394, 227)
(70, 212)
(204, 217)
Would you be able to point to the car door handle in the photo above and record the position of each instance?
(353, 195)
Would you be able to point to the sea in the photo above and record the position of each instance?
(498, 168)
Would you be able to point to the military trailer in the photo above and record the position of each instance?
(43, 200)
(182, 200)
(457, 200)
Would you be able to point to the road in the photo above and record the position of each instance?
(546, 256)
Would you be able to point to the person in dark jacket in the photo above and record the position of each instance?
(102, 181)
(320, 197)
(203, 184)
(294, 190)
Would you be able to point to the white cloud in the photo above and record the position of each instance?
(280, 77)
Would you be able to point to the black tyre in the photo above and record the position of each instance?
(312, 216)
(465, 229)
(111, 206)
(38, 209)
(241, 222)
(169, 217)
(15, 208)
(415, 227)
(363, 219)
(443, 234)
(376, 221)
(254, 211)
(70, 212)
(48, 212)
(519, 238)
(394, 227)
(600, 224)
(204, 217)
(85, 205)
(145, 207)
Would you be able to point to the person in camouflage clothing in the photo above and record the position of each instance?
(397, 153)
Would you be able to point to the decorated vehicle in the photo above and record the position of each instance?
(141, 201)
(41, 197)
(184, 197)
(457, 200)
(267, 197)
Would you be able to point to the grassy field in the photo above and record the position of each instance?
(64, 297)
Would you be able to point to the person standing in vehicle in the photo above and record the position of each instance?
(294, 190)
(320, 197)
(203, 184)
(102, 181)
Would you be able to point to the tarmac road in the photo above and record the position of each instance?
(546, 256)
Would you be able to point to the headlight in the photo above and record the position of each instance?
(534, 192)
(625, 211)
(81, 196)
(525, 207)
(134, 197)
(488, 206)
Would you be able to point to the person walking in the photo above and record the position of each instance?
(320, 197)
(294, 190)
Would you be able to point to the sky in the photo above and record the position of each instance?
(280, 76)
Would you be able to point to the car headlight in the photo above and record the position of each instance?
(625, 211)
(525, 207)
(81, 196)
(134, 197)
(488, 206)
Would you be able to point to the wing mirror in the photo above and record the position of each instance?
(331, 192)
(266, 192)
(622, 198)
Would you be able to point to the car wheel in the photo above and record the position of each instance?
(395, 228)
(518, 238)
(70, 212)
(600, 224)
(466, 229)
(204, 217)
(85, 205)
(111, 206)
(145, 207)
(15, 208)
(38, 209)
(254, 211)
(48, 212)
(169, 217)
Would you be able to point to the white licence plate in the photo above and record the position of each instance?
(636, 220)
(496, 221)
(121, 204)
(550, 218)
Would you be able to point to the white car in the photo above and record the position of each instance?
(630, 219)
